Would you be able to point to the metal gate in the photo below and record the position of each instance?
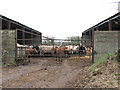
(65, 49)
(30, 46)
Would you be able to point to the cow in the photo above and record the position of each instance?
(75, 49)
(30, 51)
(46, 49)
(82, 50)
(37, 48)
(69, 49)
(24, 51)
(60, 53)
(88, 51)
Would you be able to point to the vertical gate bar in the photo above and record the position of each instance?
(92, 46)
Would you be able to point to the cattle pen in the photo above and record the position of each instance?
(20, 42)
(67, 48)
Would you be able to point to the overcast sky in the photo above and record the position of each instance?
(59, 18)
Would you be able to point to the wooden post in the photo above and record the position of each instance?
(85, 38)
(92, 46)
(90, 37)
(23, 37)
(31, 38)
(16, 54)
(41, 38)
(53, 47)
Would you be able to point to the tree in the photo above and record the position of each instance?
(48, 40)
(75, 40)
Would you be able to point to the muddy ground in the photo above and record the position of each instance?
(75, 73)
(43, 73)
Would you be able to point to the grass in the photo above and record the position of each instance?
(117, 74)
(100, 61)
(10, 64)
(110, 83)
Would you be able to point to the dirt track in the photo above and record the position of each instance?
(42, 73)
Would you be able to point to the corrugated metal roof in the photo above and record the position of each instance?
(103, 22)
(17, 23)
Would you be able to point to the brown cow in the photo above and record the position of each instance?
(30, 51)
(60, 52)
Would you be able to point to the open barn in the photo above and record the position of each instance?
(104, 37)
(20, 42)
(13, 34)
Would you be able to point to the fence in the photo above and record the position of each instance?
(64, 48)
(54, 48)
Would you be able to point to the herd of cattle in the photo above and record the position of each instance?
(57, 51)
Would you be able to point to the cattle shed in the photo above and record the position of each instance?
(103, 37)
(13, 32)
(25, 34)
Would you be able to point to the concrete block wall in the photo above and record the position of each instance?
(105, 42)
(8, 46)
